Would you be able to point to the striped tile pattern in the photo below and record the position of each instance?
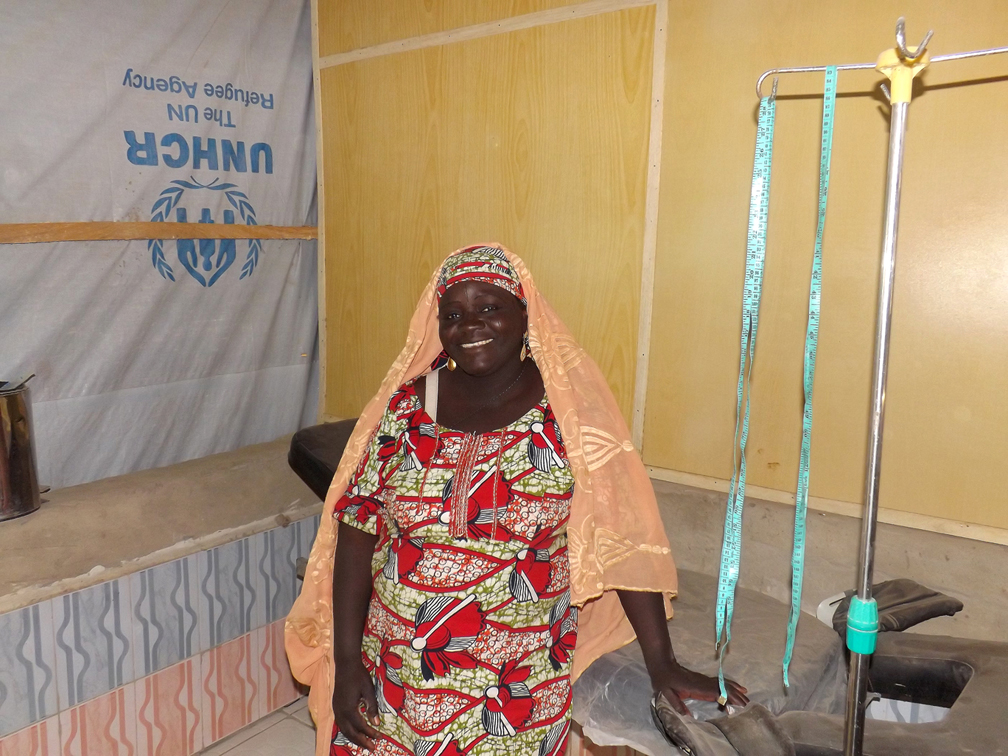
(231, 697)
(27, 667)
(162, 662)
(177, 711)
(164, 602)
(94, 642)
(229, 602)
(277, 553)
(276, 684)
(169, 708)
(105, 725)
(39, 739)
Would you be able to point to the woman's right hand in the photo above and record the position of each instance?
(355, 706)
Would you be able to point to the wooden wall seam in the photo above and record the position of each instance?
(79, 231)
(650, 222)
(320, 214)
(476, 31)
(588, 9)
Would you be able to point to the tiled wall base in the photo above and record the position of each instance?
(40, 739)
(187, 707)
(177, 711)
(204, 617)
(169, 710)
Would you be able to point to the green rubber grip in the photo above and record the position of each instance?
(862, 625)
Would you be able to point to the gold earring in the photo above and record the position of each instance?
(524, 349)
(451, 364)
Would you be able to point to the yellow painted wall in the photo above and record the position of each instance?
(351, 24)
(537, 139)
(946, 431)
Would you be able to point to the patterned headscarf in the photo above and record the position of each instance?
(481, 263)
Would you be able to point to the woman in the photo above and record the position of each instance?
(497, 531)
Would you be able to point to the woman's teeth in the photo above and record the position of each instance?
(476, 344)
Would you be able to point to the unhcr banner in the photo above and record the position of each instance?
(152, 352)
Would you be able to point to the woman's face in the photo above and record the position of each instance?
(481, 326)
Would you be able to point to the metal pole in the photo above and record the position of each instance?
(858, 675)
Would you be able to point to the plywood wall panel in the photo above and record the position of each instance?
(946, 411)
(352, 24)
(537, 139)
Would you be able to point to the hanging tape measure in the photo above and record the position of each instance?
(731, 550)
(811, 345)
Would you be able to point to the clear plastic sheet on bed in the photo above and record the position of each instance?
(612, 697)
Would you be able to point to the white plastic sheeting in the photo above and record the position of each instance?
(149, 353)
(611, 698)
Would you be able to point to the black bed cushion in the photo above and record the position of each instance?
(902, 603)
(315, 453)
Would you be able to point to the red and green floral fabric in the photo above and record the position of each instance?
(470, 630)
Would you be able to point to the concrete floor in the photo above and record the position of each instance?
(288, 732)
(291, 732)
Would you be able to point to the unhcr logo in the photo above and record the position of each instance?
(206, 260)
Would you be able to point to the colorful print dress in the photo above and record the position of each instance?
(470, 631)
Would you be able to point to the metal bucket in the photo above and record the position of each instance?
(19, 488)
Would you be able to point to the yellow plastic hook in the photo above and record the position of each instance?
(901, 64)
(901, 73)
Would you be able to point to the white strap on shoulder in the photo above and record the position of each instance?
(431, 394)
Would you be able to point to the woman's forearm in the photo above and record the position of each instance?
(352, 586)
(646, 612)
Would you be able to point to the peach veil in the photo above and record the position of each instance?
(615, 535)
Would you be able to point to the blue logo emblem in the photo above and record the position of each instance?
(206, 260)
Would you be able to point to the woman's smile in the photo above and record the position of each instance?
(482, 327)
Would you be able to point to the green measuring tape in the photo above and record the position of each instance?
(811, 345)
(731, 549)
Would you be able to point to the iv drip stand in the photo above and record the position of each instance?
(901, 64)
(857, 677)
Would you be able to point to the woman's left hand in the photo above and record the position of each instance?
(646, 612)
(680, 683)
